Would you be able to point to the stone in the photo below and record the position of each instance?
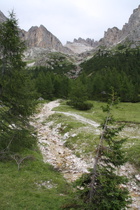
(81, 45)
(130, 32)
(40, 37)
(2, 17)
(66, 136)
(73, 135)
(137, 177)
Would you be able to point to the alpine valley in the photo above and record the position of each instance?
(57, 119)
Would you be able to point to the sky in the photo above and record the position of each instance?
(69, 19)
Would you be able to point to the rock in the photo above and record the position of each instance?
(2, 17)
(111, 36)
(137, 177)
(81, 45)
(40, 99)
(47, 184)
(40, 37)
(66, 136)
(129, 33)
(73, 135)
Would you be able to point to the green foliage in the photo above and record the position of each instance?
(78, 96)
(133, 154)
(35, 186)
(119, 69)
(17, 93)
(50, 85)
(81, 105)
(108, 195)
(101, 188)
(44, 85)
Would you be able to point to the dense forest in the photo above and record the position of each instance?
(118, 69)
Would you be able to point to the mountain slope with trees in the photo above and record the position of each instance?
(119, 69)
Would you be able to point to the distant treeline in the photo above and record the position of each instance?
(119, 69)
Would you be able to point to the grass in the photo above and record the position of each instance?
(29, 61)
(35, 186)
(86, 140)
(132, 150)
(121, 112)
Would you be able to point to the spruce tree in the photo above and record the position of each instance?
(102, 187)
(78, 96)
(16, 90)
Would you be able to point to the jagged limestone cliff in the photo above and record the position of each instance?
(40, 37)
(129, 33)
(2, 17)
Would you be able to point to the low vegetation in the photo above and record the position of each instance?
(86, 139)
(35, 186)
(26, 181)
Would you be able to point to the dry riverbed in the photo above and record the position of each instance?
(51, 144)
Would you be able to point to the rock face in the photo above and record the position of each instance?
(40, 37)
(113, 36)
(132, 29)
(2, 17)
(130, 32)
(88, 42)
(82, 45)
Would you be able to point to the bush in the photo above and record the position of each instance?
(82, 105)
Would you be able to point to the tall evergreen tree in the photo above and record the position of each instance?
(101, 188)
(16, 90)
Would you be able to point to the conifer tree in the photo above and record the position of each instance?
(102, 187)
(16, 90)
(78, 96)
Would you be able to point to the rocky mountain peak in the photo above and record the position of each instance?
(111, 36)
(81, 45)
(89, 42)
(2, 17)
(129, 32)
(134, 19)
(40, 37)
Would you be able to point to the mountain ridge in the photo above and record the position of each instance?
(40, 37)
(130, 32)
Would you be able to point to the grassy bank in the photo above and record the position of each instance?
(38, 185)
(127, 112)
(35, 186)
(86, 139)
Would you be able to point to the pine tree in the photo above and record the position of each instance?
(16, 90)
(101, 188)
(78, 96)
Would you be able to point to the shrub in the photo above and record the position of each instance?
(81, 105)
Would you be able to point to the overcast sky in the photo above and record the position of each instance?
(69, 19)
